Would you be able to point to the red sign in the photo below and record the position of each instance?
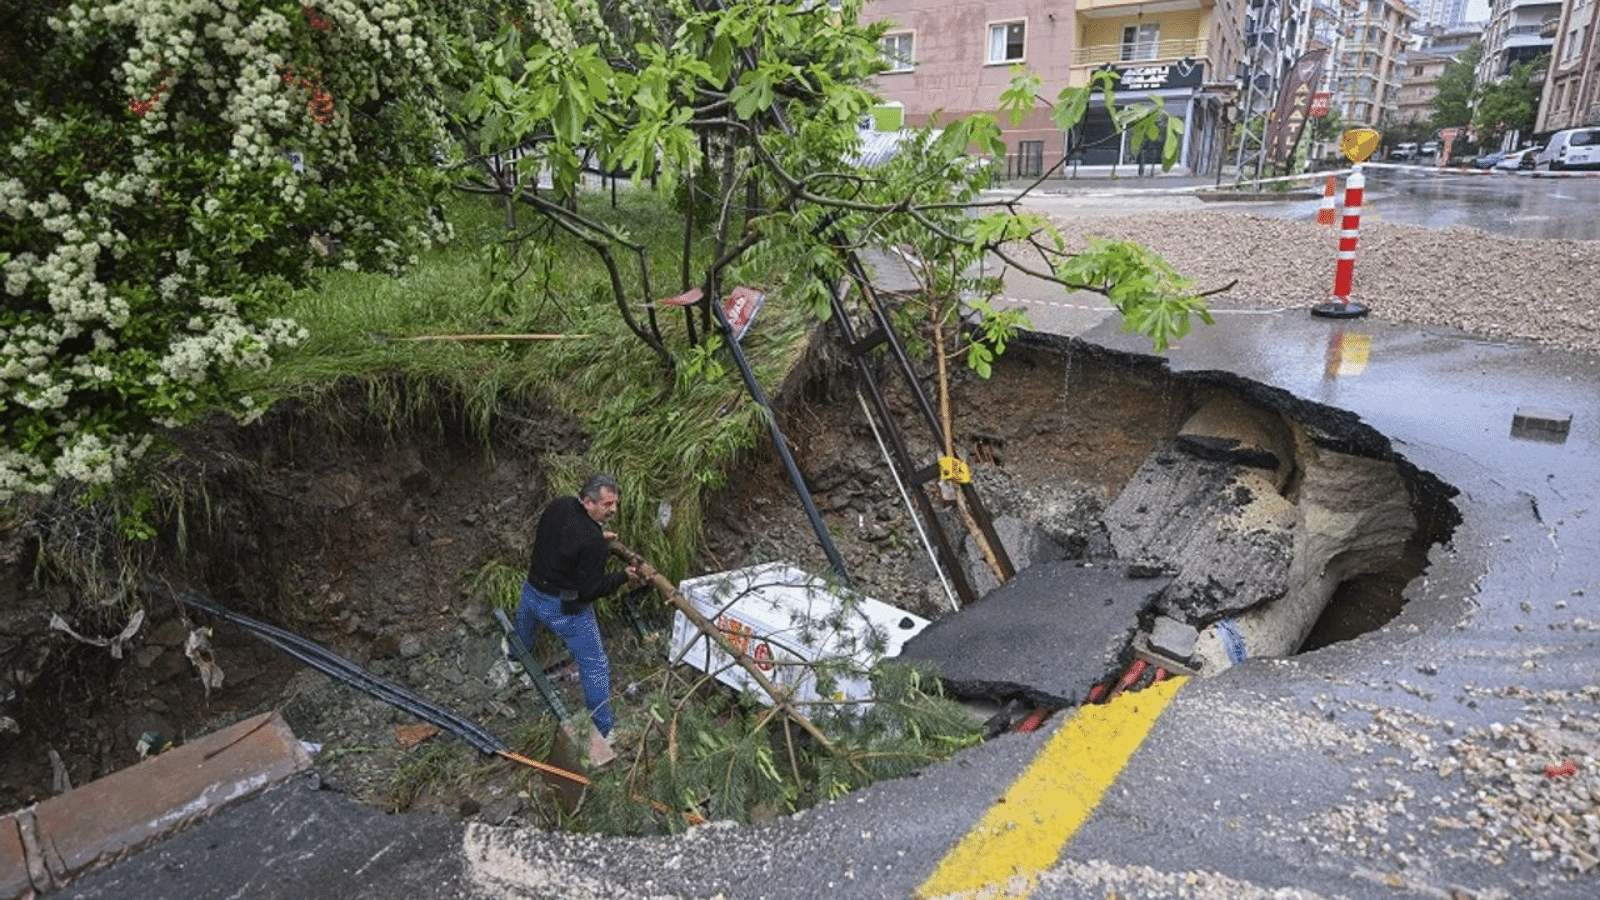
(1320, 102)
(762, 655)
(1449, 134)
(741, 306)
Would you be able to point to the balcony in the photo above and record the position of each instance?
(1100, 9)
(1549, 26)
(1165, 51)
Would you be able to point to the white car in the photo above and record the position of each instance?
(1574, 148)
(1521, 159)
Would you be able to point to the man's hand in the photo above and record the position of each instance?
(639, 574)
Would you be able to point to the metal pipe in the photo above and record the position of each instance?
(905, 498)
(782, 444)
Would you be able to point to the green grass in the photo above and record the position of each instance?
(667, 436)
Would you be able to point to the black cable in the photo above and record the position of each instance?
(341, 669)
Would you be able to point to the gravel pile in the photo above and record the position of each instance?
(1497, 287)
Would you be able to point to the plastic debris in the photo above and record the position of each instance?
(198, 649)
(1565, 769)
(128, 631)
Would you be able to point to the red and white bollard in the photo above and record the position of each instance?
(1340, 306)
(1325, 214)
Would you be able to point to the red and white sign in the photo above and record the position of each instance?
(1320, 103)
(740, 307)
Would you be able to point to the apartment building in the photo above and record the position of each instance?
(1518, 31)
(1571, 95)
(951, 58)
(1370, 40)
(1437, 46)
(1419, 84)
(1442, 13)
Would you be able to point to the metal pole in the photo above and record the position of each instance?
(781, 443)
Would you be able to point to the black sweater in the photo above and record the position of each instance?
(569, 553)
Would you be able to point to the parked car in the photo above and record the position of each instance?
(1430, 149)
(1488, 160)
(1404, 152)
(1574, 148)
(1518, 160)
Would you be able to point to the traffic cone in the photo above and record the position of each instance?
(1325, 214)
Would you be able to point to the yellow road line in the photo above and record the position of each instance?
(1024, 832)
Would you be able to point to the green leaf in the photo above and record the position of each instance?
(721, 60)
(1071, 106)
(1020, 97)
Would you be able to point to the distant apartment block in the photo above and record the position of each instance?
(1441, 13)
(1368, 40)
(1422, 68)
(1571, 94)
(1419, 84)
(951, 59)
(1518, 31)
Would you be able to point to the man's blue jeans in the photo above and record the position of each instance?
(581, 634)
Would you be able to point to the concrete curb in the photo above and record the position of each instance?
(46, 845)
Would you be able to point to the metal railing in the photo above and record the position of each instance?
(1165, 50)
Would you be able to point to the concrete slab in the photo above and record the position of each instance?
(14, 878)
(105, 819)
(1221, 528)
(1045, 637)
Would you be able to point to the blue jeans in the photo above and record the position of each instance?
(581, 634)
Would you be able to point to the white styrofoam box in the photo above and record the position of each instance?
(786, 620)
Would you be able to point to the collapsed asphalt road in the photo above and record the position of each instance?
(1425, 759)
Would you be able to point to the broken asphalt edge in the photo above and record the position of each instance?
(44, 846)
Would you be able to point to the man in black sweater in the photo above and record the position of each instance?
(565, 576)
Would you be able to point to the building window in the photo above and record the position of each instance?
(1416, 70)
(1030, 159)
(1140, 41)
(897, 51)
(1006, 40)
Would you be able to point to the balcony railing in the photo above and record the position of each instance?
(1194, 48)
(1549, 27)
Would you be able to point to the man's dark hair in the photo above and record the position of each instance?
(597, 482)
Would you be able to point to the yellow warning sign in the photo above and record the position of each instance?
(1359, 143)
(952, 469)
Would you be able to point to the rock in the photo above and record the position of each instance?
(500, 810)
(170, 633)
(386, 646)
(1175, 639)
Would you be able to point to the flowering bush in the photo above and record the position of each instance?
(163, 167)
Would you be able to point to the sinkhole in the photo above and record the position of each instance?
(1192, 521)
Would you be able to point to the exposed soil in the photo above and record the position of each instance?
(371, 541)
